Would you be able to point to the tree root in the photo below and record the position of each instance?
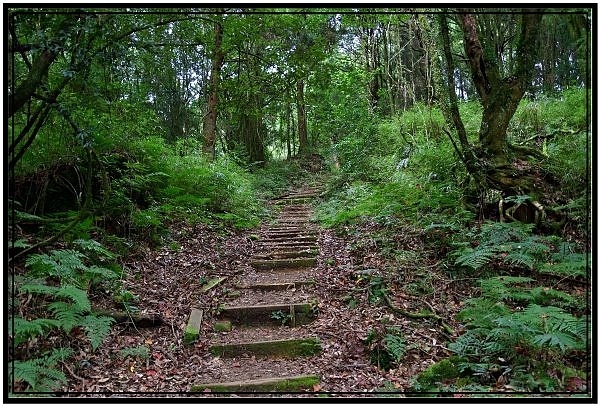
(138, 320)
(420, 315)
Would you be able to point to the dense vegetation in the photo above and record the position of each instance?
(124, 123)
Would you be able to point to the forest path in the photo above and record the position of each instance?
(260, 343)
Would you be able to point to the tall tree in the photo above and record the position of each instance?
(501, 166)
(210, 122)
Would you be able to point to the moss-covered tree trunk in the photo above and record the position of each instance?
(503, 165)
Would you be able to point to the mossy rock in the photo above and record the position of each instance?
(438, 373)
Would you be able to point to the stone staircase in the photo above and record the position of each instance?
(262, 335)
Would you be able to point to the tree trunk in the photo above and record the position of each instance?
(210, 123)
(500, 98)
(288, 118)
(303, 147)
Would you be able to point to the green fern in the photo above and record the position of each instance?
(554, 327)
(503, 287)
(20, 243)
(62, 264)
(22, 330)
(509, 243)
(68, 315)
(78, 296)
(521, 259)
(40, 374)
(140, 351)
(94, 274)
(475, 258)
(567, 263)
(92, 247)
(97, 328)
(395, 346)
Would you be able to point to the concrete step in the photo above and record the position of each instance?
(272, 246)
(288, 263)
(305, 238)
(295, 284)
(286, 254)
(278, 384)
(286, 233)
(290, 314)
(289, 348)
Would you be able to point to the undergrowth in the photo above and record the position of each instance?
(51, 306)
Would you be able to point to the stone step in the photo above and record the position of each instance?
(284, 276)
(286, 254)
(285, 220)
(289, 348)
(286, 233)
(279, 384)
(295, 284)
(283, 238)
(290, 237)
(272, 246)
(297, 228)
(304, 194)
(288, 263)
(292, 200)
(293, 314)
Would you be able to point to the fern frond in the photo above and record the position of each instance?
(62, 264)
(22, 330)
(20, 243)
(482, 311)
(38, 287)
(78, 296)
(97, 328)
(501, 287)
(492, 233)
(395, 346)
(93, 247)
(67, 315)
(547, 296)
(533, 246)
(94, 271)
(558, 339)
(571, 264)
(475, 258)
(520, 258)
(40, 373)
(468, 344)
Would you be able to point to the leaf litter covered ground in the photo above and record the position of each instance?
(168, 281)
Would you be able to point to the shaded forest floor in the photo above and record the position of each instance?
(353, 316)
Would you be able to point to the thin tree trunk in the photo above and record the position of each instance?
(288, 121)
(210, 123)
(303, 147)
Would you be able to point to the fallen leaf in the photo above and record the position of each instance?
(151, 372)
(316, 387)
